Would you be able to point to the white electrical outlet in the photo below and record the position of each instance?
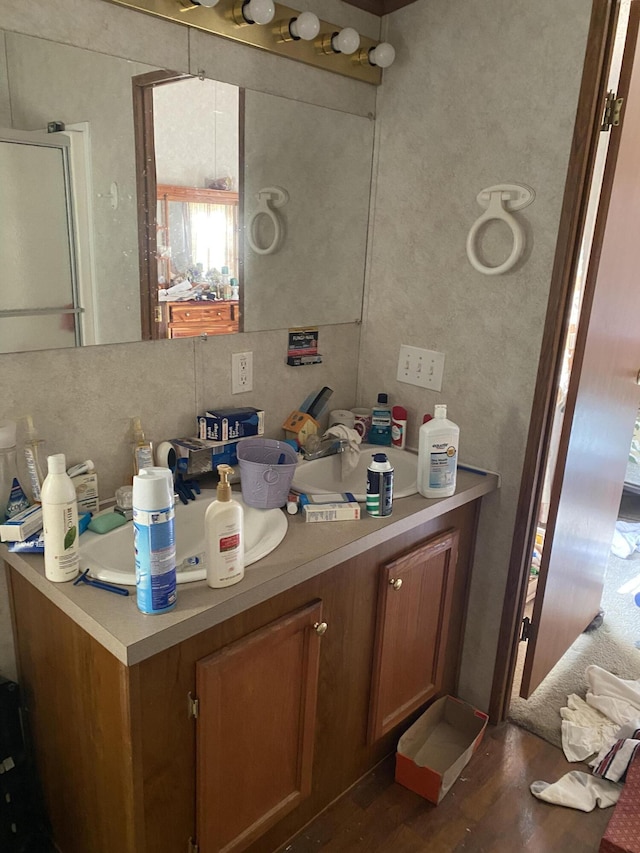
(422, 367)
(241, 372)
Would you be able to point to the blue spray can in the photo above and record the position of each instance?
(154, 540)
(380, 486)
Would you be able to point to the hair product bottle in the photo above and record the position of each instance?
(438, 455)
(224, 535)
(60, 522)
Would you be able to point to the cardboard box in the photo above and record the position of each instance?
(86, 486)
(432, 753)
(21, 526)
(229, 424)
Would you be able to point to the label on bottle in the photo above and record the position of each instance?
(442, 465)
(144, 457)
(379, 492)
(32, 467)
(17, 500)
(228, 557)
(61, 547)
(155, 549)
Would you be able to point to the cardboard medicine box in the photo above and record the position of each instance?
(432, 753)
(229, 424)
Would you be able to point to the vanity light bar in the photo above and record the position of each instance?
(225, 19)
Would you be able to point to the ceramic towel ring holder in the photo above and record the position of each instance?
(499, 200)
(269, 199)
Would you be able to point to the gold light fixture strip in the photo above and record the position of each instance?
(221, 21)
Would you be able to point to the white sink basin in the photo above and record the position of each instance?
(110, 556)
(321, 476)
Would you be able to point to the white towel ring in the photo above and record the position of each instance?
(499, 200)
(269, 198)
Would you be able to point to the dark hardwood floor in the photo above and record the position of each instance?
(489, 809)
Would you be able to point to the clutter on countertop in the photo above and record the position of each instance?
(380, 486)
(438, 446)
(350, 455)
(380, 430)
(224, 535)
(60, 522)
(142, 448)
(399, 427)
(108, 587)
(32, 450)
(106, 521)
(155, 541)
(228, 424)
(303, 422)
(12, 497)
(266, 471)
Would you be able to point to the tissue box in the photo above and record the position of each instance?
(432, 753)
(227, 424)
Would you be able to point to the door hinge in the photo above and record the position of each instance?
(612, 111)
(193, 706)
(192, 847)
(526, 629)
(158, 313)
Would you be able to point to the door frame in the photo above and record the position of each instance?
(593, 89)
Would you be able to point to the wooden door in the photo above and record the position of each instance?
(255, 730)
(414, 603)
(602, 401)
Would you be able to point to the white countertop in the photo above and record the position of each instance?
(306, 551)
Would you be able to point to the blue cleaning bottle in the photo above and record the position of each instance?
(380, 432)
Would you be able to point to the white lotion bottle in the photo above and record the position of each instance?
(60, 522)
(224, 535)
(438, 442)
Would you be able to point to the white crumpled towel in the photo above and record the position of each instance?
(585, 730)
(578, 790)
(617, 698)
(351, 453)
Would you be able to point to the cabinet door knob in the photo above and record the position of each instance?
(396, 583)
(320, 628)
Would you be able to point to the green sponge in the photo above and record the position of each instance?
(108, 521)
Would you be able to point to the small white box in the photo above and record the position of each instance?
(86, 486)
(332, 512)
(22, 525)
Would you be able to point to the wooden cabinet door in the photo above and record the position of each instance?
(255, 730)
(414, 603)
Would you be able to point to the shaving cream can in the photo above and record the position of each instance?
(380, 486)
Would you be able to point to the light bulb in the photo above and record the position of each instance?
(346, 41)
(259, 11)
(382, 54)
(306, 26)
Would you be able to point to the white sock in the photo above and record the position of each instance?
(578, 790)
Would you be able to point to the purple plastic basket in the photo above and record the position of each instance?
(266, 471)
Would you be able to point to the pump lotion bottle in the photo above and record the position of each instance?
(224, 535)
(60, 522)
(438, 442)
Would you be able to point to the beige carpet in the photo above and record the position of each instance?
(612, 647)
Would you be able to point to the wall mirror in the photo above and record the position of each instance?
(321, 157)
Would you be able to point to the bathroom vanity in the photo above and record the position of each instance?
(231, 722)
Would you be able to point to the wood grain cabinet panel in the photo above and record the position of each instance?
(414, 606)
(189, 319)
(255, 730)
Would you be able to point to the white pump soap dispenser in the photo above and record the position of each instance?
(224, 535)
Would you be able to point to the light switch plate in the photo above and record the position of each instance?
(421, 367)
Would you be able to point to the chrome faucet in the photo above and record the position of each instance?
(316, 447)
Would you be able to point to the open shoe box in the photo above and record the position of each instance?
(432, 753)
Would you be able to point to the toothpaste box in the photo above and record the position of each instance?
(21, 526)
(229, 424)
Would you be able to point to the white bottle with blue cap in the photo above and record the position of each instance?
(154, 540)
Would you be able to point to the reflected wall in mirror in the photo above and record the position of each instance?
(322, 157)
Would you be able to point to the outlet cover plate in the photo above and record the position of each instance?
(241, 372)
(421, 367)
